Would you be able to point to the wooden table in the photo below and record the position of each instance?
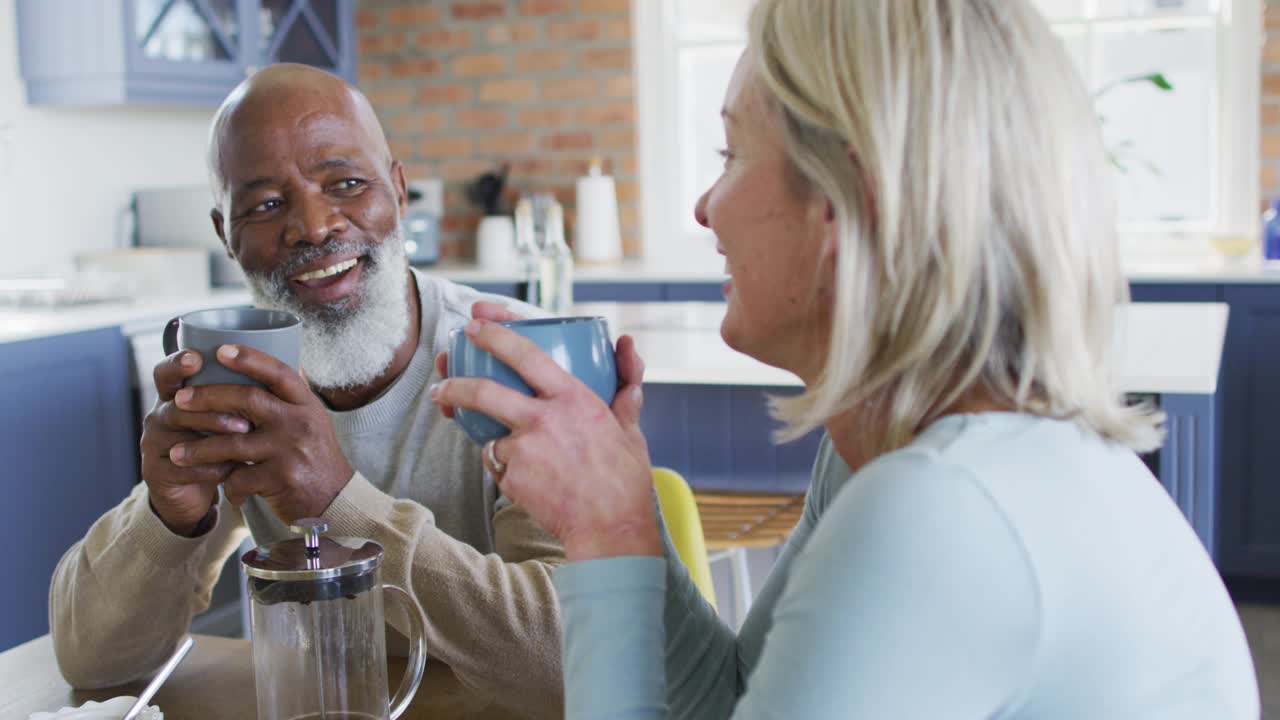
(214, 682)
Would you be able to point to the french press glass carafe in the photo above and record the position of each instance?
(319, 644)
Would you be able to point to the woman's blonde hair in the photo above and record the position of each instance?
(972, 196)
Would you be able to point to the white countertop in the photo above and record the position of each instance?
(680, 343)
(625, 271)
(1165, 347)
(135, 315)
(25, 323)
(1184, 271)
(1140, 270)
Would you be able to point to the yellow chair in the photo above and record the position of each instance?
(734, 522)
(680, 511)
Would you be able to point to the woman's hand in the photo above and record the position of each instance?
(482, 310)
(579, 467)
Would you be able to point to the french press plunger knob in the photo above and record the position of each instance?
(311, 529)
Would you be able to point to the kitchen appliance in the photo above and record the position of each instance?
(422, 221)
(179, 217)
(153, 271)
(319, 648)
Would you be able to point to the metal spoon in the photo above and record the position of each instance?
(158, 680)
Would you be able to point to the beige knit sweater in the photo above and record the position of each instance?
(122, 598)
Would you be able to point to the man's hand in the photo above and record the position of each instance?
(290, 458)
(181, 496)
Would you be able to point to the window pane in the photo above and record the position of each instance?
(704, 76)
(183, 34)
(299, 44)
(1061, 9)
(712, 20)
(327, 13)
(1155, 8)
(1076, 40)
(1163, 142)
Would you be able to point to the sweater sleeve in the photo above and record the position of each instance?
(492, 618)
(912, 598)
(122, 598)
(706, 662)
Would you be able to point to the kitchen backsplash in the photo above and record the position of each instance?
(544, 85)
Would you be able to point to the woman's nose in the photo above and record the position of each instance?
(700, 210)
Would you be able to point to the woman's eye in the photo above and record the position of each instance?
(725, 155)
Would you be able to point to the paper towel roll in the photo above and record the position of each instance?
(596, 236)
(496, 243)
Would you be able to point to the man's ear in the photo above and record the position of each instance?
(216, 216)
(402, 188)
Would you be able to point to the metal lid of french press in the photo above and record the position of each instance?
(312, 557)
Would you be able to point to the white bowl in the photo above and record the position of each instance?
(112, 709)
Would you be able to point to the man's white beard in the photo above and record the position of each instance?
(348, 343)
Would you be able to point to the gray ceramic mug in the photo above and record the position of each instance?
(274, 332)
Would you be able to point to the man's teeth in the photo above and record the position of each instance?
(343, 266)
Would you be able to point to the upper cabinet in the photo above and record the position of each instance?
(192, 52)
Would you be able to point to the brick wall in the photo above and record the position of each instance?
(463, 86)
(1270, 160)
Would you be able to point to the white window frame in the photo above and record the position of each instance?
(1236, 202)
(1235, 205)
(664, 233)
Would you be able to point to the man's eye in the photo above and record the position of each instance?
(266, 206)
(348, 184)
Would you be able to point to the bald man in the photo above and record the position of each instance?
(308, 201)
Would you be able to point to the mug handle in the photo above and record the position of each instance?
(171, 337)
(417, 655)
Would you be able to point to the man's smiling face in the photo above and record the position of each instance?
(310, 196)
(309, 204)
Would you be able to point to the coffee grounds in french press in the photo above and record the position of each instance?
(270, 592)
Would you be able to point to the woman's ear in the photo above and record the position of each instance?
(830, 232)
(828, 255)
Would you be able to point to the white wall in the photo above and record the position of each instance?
(66, 173)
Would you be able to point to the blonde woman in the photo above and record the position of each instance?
(915, 216)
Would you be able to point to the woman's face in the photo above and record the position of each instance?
(771, 230)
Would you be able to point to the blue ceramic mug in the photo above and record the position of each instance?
(580, 345)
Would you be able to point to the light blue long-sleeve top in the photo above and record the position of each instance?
(1000, 566)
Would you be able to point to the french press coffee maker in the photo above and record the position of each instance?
(319, 644)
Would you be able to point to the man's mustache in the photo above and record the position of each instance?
(309, 254)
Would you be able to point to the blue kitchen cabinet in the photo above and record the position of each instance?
(1165, 292)
(506, 289)
(694, 292)
(720, 438)
(68, 453)
(611, 291)
(1247, 513)
(1250, 389)
(190, 52)
(1190, 463)
(618, 292)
